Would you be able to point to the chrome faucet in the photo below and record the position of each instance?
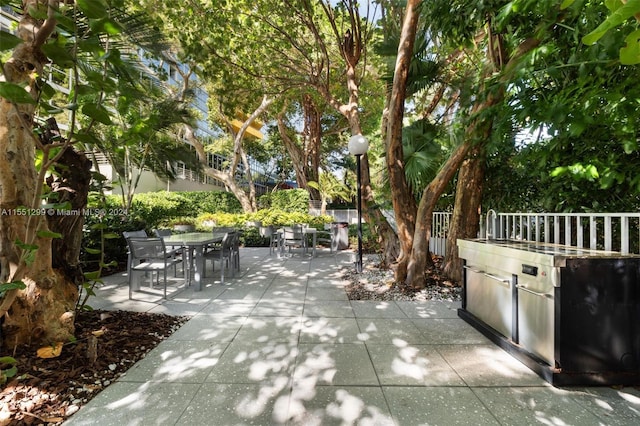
(491, 224)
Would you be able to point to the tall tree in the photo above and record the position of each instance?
(487, 94)
(304, 147)
(284, 49)
(187, 82)
(143, 136)
(39, 289)
(404, 204)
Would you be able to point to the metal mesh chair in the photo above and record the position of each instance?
(270, 232)
(171, 252)
(135, 234)
(162, 232)
(149, 255)
(235, 251)
(293, 236)
(329, 236)
(222, 252)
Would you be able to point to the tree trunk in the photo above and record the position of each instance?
(470, 182)
(404, 204)
(295, 151)
(305, 158)
(387, 237)
(420, 255)
(43, 312)
(70, 185)
(223, 176)
(466, 213)
(351, 49)
(313, 135)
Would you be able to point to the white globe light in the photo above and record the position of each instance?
(358, 145)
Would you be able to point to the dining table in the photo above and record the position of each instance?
(193, 244)
(305, 231)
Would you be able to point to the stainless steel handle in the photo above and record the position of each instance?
(477, 271)
(500, 279)
(535, 293)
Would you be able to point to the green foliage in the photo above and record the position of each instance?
(206, 220)
(16, 94)
(370, 241)
(154, 208)
(99, 252)
(620, 13)
(266, 217)
(181, 220)
(17, 285)
(330, 188)
(564, 177)
(212, 202)
(292, 200)
(8, 41)
(279, 217)
(251, 238)
(422, 154)
(8, 368)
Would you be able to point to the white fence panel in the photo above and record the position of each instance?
(598, 231)
(602, 231)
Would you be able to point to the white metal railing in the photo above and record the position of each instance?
(439, 227)
(439, 233)
(598, 231)
(347, 215)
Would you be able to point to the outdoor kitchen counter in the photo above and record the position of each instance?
(570, 314)
(527, 251)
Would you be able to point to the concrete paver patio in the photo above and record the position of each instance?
(281, 344)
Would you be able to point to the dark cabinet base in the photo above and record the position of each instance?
(555, 376)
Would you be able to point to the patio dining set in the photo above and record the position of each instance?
(165, 250)
(156, 254)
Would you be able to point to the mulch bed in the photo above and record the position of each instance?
(48, 390)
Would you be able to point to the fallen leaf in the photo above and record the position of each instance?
(50, 351)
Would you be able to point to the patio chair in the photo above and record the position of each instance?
(149, 255)
(270, 233)
(235, 249)
(135, 234)
(172, 252)
(222, 252)
(162, 232)
(132, 234)
(329, 237)
(293, 236)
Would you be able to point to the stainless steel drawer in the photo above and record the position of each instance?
(489, 297)
(536, 312)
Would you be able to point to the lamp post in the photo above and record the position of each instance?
(358, 146)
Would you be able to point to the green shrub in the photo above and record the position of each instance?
(370, 243)
(292, 200)
(206, 221)
(115, 249)
(251, 238)
(156, 209)
(211, 202)
(277, 217)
